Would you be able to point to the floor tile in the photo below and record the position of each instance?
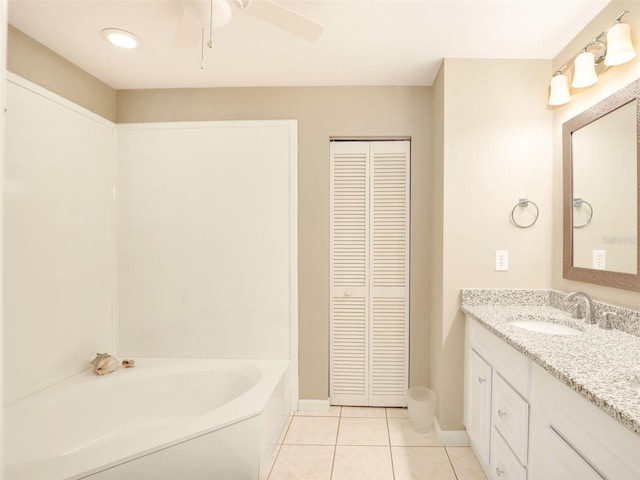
(402, 434)
(334, 411)
(363, 431)
(363, 412)
(309, 462)
(312, 431)
(465, 463)
(360, 463)
(424, 463)
(397, 412)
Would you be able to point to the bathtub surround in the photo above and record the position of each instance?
(206, 236)
(224, 294)
(58, 238)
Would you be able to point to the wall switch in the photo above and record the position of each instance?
(599, 259)
(502, 260)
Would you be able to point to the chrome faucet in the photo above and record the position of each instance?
(590, 314)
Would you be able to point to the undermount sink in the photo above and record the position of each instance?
(549, 326)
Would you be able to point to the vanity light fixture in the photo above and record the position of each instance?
(611, 47)
(559, 91)
(121, 38)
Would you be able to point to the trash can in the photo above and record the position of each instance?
(421, 403)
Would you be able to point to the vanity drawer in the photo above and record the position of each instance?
(504, 464)
(510, 416)
(511, 364)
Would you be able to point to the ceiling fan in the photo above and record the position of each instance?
(198, 15)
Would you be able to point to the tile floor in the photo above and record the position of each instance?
(360, 443)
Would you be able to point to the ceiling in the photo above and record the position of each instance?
(365, 42)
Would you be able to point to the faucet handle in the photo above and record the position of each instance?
(606, 323)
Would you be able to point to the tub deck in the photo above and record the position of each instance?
(203, 416)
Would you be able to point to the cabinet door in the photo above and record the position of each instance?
(564, 463)
(478, 404)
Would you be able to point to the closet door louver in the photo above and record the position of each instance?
(349, 221)
(389, 278)
(369, 272)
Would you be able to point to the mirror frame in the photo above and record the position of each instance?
(626, 281)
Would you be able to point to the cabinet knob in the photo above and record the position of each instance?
(347, 293)
(482, 379)
(501, 414)
(499, 472)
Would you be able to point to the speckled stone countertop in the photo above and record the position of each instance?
(601, 365)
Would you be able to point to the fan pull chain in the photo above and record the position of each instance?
(210, 42)
(202, 51)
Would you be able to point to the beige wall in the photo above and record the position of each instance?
(42, 66)
(492, 145)
(321, 112)
(610, 81)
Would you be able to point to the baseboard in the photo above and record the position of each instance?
(313, 405)
(450, 437)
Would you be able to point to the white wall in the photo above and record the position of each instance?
(205, 225)
(58, 238)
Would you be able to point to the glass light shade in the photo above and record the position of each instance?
(584, 74)
(559, 94)
(619, 47)
(121, 38)
(220, 14)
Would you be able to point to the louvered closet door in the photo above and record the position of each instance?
(369, 272)
(349, 273)
(389, 273)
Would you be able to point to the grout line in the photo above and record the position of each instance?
(335, 447)
(393, 470)
(455, 474)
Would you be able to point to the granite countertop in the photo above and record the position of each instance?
(600, 365)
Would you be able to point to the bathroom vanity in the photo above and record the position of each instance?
(548, 402)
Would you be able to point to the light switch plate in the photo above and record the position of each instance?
(502, 260)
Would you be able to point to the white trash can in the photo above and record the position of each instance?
(421, 403)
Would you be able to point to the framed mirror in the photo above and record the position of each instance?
(601, 148)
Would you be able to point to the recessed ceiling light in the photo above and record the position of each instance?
(121, 38)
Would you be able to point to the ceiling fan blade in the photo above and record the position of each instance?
(189, 29)
(285, 18)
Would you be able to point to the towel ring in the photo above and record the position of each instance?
(577, 203)
(523, 203)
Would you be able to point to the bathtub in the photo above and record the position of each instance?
(164, 419)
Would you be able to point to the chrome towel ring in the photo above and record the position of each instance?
(579, 202)
(524, 203)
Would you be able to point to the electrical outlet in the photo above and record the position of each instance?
(502, 260)
(599, 259)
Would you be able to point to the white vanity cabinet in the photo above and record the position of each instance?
(496, 412)
(573, 439)
(525, 424)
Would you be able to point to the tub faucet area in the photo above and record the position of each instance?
(589, 315)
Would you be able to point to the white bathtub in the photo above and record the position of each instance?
(163, 419)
